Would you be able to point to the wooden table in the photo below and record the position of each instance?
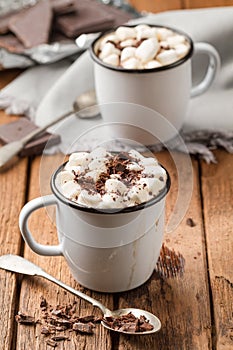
(194, 303)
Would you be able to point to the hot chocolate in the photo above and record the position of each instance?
(142, 47)
(100, 179)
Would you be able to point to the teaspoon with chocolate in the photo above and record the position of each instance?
(128, 321)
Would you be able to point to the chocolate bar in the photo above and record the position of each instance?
(63, 6)
(17, 129)
(32, 26)
(89, 17)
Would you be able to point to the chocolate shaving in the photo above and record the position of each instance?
(83, 327)
(129, 323)
(51, 343)
(25, 319)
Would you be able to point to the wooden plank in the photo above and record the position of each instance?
(12, 192)
(207, 3)
(217, 187)
(33, 288)
(180, 301)
(156, 6)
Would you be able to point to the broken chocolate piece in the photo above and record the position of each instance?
(25, 319)
(32, 26)
(83, 327)
(16, 130)
(51, 343)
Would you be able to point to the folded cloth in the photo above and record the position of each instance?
(212, 111)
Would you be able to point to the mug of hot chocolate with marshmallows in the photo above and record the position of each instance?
(109, 217)
(150, 66)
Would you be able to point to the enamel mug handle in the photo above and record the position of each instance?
(214, 65)
(25, 213)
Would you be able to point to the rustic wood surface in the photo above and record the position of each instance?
(161, 5)
(191, 291)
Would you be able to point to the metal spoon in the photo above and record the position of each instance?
(84, 106)
(18, 264)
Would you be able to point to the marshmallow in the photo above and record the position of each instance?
(131, 63)
(146, 33)
(147, 50)
(79, 158)
(175, 40)
(156, 171)
(148, 161)
(127, 53)
(71, 190)
(153, 64)
(167, 56)
(138, 194)
(128, 42)
(107, 50)
(77, 170)
(164, 33)
(114, 185)
(97, 164)
(94, 174)
(110, 37)
(181, 50)
(135, 154)
(64, 177)
(124, 33)
(112, 59)
(111, 201)
(89, 199)
(133, 167)
(154, 185)
(99, 152)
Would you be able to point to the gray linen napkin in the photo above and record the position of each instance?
(209, 122)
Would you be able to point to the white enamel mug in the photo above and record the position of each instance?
(107, 250)
(166, 90)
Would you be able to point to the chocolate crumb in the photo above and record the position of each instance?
(190, 222)
(25, 319)
(51, 343)
(83, 327)
(59, 337)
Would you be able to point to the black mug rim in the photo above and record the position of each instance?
(140, 71)
(110, 211)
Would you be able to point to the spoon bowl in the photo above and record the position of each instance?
(84, 107)
(18, 264)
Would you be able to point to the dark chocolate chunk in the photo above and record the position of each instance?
(83, 327)
(16, 130)
(25, 319)
(51, 343)
(32, 26)
(190, 222)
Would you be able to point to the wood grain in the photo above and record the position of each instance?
(156, 5)
(181, 302)
(44, 231)
(161, 5)
(12, 194)
(217, 191)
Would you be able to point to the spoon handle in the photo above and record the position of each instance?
(81, 295)
(13, 148)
